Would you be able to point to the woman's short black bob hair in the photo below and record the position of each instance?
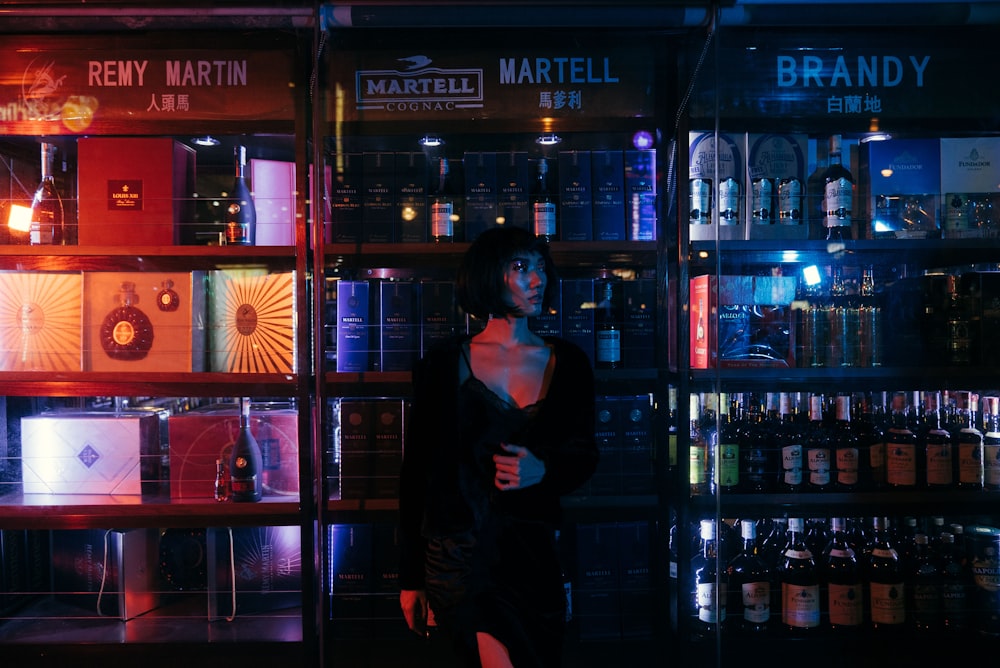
(480, 283)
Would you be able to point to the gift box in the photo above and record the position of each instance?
(111, 573)
(259, 569)
(40, 322)
(273, 184)
(91, 453)
(251, 321)
(747, 322)
(899, 186)
(134, 191)
(198, 438)
(144, 321)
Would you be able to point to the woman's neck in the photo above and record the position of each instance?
(506, 331)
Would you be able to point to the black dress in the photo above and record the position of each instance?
(490, 560)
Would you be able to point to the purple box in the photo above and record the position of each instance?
(353, 326)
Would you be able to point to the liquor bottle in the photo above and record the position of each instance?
(838, 194)
(846, 457)
(841, 583)
(543, 204)
(441, 205)
(886, 587)
(245, 462)
(730, 196)
(900, 448)
(700, 196)
(871, 433)
(923, 587)
(817, 448)
(934, 443)
(799, 580)
(221, 481)
(727, 467)
(790, 196)
(756, 438)
(991, 443)
(749, 585)
(762, 201)
(790, 476)
(956, 583)
(697, 452)
(869, 322)
(48, 219)
(957, 317)
(815, 196)
(127, 332)
(240, 215)
(608, 322)
(710, 580)
(968, 443)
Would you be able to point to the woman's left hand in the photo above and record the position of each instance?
(518, 469)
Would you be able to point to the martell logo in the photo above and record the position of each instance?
(419, 87)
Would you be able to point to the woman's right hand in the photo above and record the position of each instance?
(414, 604)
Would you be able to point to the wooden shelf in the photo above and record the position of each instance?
(84, 511)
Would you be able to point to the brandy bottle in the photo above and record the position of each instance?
(240, 216)
(48, 224)
(126, 332)
(245, 462)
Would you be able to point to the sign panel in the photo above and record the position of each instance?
(76, 90)
(493, 84)
(849, 79)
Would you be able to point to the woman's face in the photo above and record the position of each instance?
(525, 280)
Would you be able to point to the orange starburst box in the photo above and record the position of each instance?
(40, 316)
(144, 321)
(252, 321)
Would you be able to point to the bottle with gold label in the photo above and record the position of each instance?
(126, 332)
(245, 462)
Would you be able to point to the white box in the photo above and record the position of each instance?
(173, 303)
(273, 186)
(970, 175)
(252, 322)
(40, 321)
(705, 157)
(91, 453)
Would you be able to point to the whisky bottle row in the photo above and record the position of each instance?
(845, 576)
(791, 442)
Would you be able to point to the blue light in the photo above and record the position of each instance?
(642, 140)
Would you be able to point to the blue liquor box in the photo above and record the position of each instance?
(480, 192)
(550, 323)
(899, 184)
(596, 591)
(344, 189)
(351, 576)
(438, 318)
(608, 182)
(354, 337)
(637, 598)
(606, 480)
(388, 415)
(578, 313)
(639, 326)
(641, 195)
(411, 197)
(350, 466)
(576, 215)
(513, 185)
(378, 197)
(636, 444)
(399, 329)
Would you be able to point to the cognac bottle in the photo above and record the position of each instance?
(441, 207)
(241, 216)
(126, 332)
(543, 204)
(48, 224)
(245, 463)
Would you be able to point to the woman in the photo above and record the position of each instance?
(501, 427)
